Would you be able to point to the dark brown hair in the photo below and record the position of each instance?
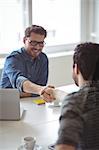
(36, 29)
(86, 56)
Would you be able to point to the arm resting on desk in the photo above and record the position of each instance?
(23, 95)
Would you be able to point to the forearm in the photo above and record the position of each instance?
(24, 94)
(64, 147)
(30, 87)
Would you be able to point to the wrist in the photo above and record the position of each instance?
(42, 90)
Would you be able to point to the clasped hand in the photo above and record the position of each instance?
(48, 93)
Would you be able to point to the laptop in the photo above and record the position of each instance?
(9, 104)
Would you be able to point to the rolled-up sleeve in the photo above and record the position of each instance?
(19, 83)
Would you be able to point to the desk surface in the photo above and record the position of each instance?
(40, 121)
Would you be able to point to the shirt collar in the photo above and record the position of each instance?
(90, 83)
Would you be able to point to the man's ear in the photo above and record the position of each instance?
(76, 69)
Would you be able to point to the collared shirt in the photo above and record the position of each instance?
(20, 66)
(79, 120)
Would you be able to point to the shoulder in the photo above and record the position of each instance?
(79, 95)
(74, 95)
(71, 98)
(16, 53)
(74, 101)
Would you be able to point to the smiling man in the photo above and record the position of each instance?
(27, 68)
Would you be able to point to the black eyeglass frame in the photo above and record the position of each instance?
(35, 43)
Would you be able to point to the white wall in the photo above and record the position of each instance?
(60, 70)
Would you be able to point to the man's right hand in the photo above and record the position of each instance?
(48, 93)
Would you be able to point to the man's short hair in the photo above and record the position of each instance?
(36, 29)
(86, 56)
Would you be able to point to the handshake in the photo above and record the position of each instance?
(50, 94)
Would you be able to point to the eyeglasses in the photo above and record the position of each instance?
(35, 43)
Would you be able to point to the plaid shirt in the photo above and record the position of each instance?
(79, 120)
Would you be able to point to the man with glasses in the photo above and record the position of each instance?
(27, 68)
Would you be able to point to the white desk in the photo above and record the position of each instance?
(39, 121)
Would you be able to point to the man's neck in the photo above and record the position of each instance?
(81, 81)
